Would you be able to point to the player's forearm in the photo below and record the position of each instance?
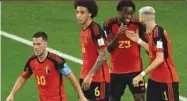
(158, 60)
(75, 84)
(112, 44)
(99, 62)
(144, 45)
(18, 85)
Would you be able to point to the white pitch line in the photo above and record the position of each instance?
(27, 42)
(66, 56)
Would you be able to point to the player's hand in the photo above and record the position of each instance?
(134, 36)
(10, 97)
(86, 83)
(136, 80)
(122, 29)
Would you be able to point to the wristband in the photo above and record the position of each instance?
(143, 73)
(139, 40)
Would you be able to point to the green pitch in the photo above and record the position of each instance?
(59, 21)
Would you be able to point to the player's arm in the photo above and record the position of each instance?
(158, 60)
(27, 72)
(160, 43)
(134, 36)
(99, 62)
(17, 86)
(71, 77)
(112, 42)
(65, 70)
(143, 44)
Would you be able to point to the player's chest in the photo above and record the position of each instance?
(151, 43)
(86, 38)
(45, 68)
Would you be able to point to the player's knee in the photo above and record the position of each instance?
(139, 97)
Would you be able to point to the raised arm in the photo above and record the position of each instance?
(112, 41)
(134, 36)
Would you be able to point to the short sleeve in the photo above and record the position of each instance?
(62, 66)
(27, 71)
(108, 31)
(98, 36)
(159, 40)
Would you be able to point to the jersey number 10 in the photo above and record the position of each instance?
(41, 80)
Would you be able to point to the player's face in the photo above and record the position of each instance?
(142, 18)
(126, 14)
(39, 46)
(146, 18)
(82, 14)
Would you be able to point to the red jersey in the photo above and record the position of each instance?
(125, 58)
(93, 39)
(159, 41)
(48, 77)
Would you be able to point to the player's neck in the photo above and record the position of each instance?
(43, 56)
(150, 26)
(87, 23)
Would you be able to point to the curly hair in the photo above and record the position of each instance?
(90, 5)
(125, 3)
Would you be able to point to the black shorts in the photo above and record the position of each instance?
(99, 91)
(120, 81)
(162, 91)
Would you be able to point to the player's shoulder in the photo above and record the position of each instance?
(158, 31)
(110, 21)
(32, 57)
(55, 58)
(96, 28)
(95, 25)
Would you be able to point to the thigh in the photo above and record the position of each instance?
(172, 91)
(98, 91)
(162, 91)
(117, 86)
(153, 91)
(175, 87)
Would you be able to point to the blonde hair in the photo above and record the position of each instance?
(147, 13)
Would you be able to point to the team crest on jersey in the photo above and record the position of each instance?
(47, 69)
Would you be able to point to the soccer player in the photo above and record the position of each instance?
(163, 83)
(48, 70)
(94, 75)
(126, 62)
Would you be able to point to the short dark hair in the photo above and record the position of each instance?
(125, 3)
(90, 5)
(40, 34)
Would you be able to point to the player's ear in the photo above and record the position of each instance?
(90, 14)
